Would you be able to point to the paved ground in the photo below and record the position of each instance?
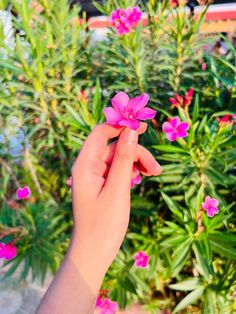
(24, 298)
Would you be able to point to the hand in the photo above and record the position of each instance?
(101, 187)
(101, 206)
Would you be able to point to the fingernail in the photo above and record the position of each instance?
(130, 136)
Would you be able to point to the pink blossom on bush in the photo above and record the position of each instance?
(69, 181)
(136, 177)
(204, 66)
(128, 112)
(23, 193)
(175, 129)
(99, 301)
(125, 19)
(8, 251)
(141, 259)
(106, 306)
(210, 206)
(136, 180)
(2, 250)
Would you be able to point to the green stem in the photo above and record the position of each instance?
(32, 171)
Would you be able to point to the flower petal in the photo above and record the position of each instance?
(167, 127)
(175, 121)
(183, 126)
(120, 101)
(205, 206)
(182, 133)
(112, 116)
(214, 202)
(132, 124)
(146, 113)
(172, 136)
(138, 102)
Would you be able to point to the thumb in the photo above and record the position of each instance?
(119, 176)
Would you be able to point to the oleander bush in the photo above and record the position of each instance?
(55, 80)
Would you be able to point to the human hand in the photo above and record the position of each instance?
(101, 206)
(101, 187)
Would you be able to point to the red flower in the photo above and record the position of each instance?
(226, 120)
(182, 101)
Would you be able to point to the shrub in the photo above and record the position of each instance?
(54, 84)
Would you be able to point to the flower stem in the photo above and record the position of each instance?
(32, 171)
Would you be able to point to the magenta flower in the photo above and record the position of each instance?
(175, 129)
(141, 259)
(204, 66)
(69, 181)
(210, 206)
(127, 112)
(2, 250)
(125, 19)
(7, 251)
(23, 193)
(136, 177)
(106, 306)
(136, 180)
(99, 301)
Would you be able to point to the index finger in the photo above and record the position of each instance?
(88, 169)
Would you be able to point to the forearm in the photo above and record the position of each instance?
(76, 285)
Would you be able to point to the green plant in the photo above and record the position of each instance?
(55, 82)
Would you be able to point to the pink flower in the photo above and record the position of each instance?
(7, 251)
(204, 66)
(127, 112)
(69, 181)
(210, 206)
(141, 259)
(136, 177)
(136, 180)
(23, 193)
(10, 251)
(182, 100)
(99, 301)
(175, 129)
(2, 250)
(106, 306)
(125, 19)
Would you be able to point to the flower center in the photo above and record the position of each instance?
(129, 114)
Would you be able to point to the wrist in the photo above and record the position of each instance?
(89, 259)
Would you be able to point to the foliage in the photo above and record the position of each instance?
(56, 81)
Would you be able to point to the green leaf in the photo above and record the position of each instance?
(187, 284)
(202, 261)
(97, 102)
(180, 255)
(173, 206)
(189, 299)
(128, 283)
(169, 148)
(195, 112)
(226, 250)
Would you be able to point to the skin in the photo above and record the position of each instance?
(101, 209)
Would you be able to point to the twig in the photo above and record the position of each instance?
(32, 171)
